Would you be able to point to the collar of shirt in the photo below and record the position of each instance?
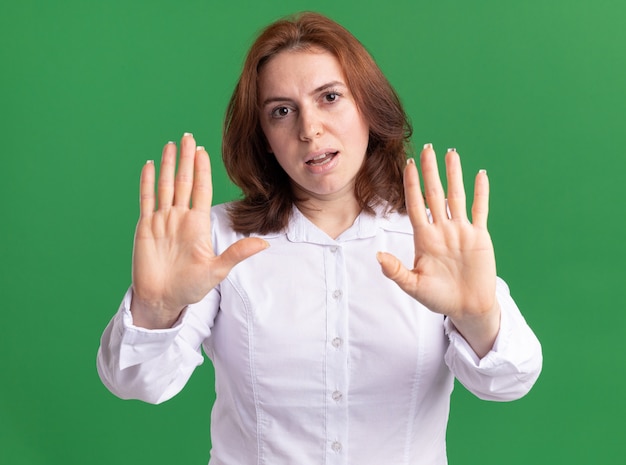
(301, 229)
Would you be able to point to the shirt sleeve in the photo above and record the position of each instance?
(512, 366)
(154, 365)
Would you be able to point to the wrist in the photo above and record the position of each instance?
(480, 331)
(153, 314)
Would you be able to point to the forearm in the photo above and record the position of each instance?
(149, 365)
(481, 331)
(510, 368)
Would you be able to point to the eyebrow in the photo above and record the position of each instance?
(315, 91)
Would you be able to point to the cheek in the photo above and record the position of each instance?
(272, 140)
(275, 143)
(276, 136)
(352, 126)
(359, 135)
(280, 147)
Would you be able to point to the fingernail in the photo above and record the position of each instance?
(452, 150)
(187, 134)
(199, 147)
(149, 162)
(482, 171)
(171, 142)
(428, 146)
(410, 161)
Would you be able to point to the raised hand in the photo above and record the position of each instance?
(173, 260)
(454, 271)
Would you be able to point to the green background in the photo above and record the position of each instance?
(532, 91)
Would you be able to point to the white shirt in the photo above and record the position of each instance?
(319, 358)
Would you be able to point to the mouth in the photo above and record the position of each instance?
(321, 159)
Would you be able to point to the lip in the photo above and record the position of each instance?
(319, 153)
(325, 167)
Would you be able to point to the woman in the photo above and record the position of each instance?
(319, 356)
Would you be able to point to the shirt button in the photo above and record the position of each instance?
(337, 396)
(336, 446)
(337, 294)
(333, 250)
(337, 342)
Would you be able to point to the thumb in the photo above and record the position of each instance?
(237, 252)
(395, 270)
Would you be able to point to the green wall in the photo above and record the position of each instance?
(533, 91)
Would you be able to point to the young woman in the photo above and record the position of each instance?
(335, 307)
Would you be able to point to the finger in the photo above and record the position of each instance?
(166, 175)
(184, 177)
(413, 195)
(202, 194)
(480, 206)
(433, 189)
(456, 189)
(146, 190)
(237, 252)
(396, 271)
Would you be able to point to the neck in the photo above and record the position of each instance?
(332, 217)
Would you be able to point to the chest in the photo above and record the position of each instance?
(303, 313)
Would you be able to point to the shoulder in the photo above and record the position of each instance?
(394, 222)
(222, 230)
(222, 225)
(220, 219)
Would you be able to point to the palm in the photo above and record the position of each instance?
(454, 270)
(174, 264)
(173, 251)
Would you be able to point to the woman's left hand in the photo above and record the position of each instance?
(454, 270)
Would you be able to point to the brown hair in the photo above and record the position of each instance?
(267, 195)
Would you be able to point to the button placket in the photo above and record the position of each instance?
(336, 357)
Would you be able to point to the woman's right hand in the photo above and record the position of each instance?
(174, 264)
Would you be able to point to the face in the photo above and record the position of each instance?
(312, 124)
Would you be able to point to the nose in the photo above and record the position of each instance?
(311, 125)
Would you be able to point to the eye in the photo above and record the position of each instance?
(280, 112)
(332, 97)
